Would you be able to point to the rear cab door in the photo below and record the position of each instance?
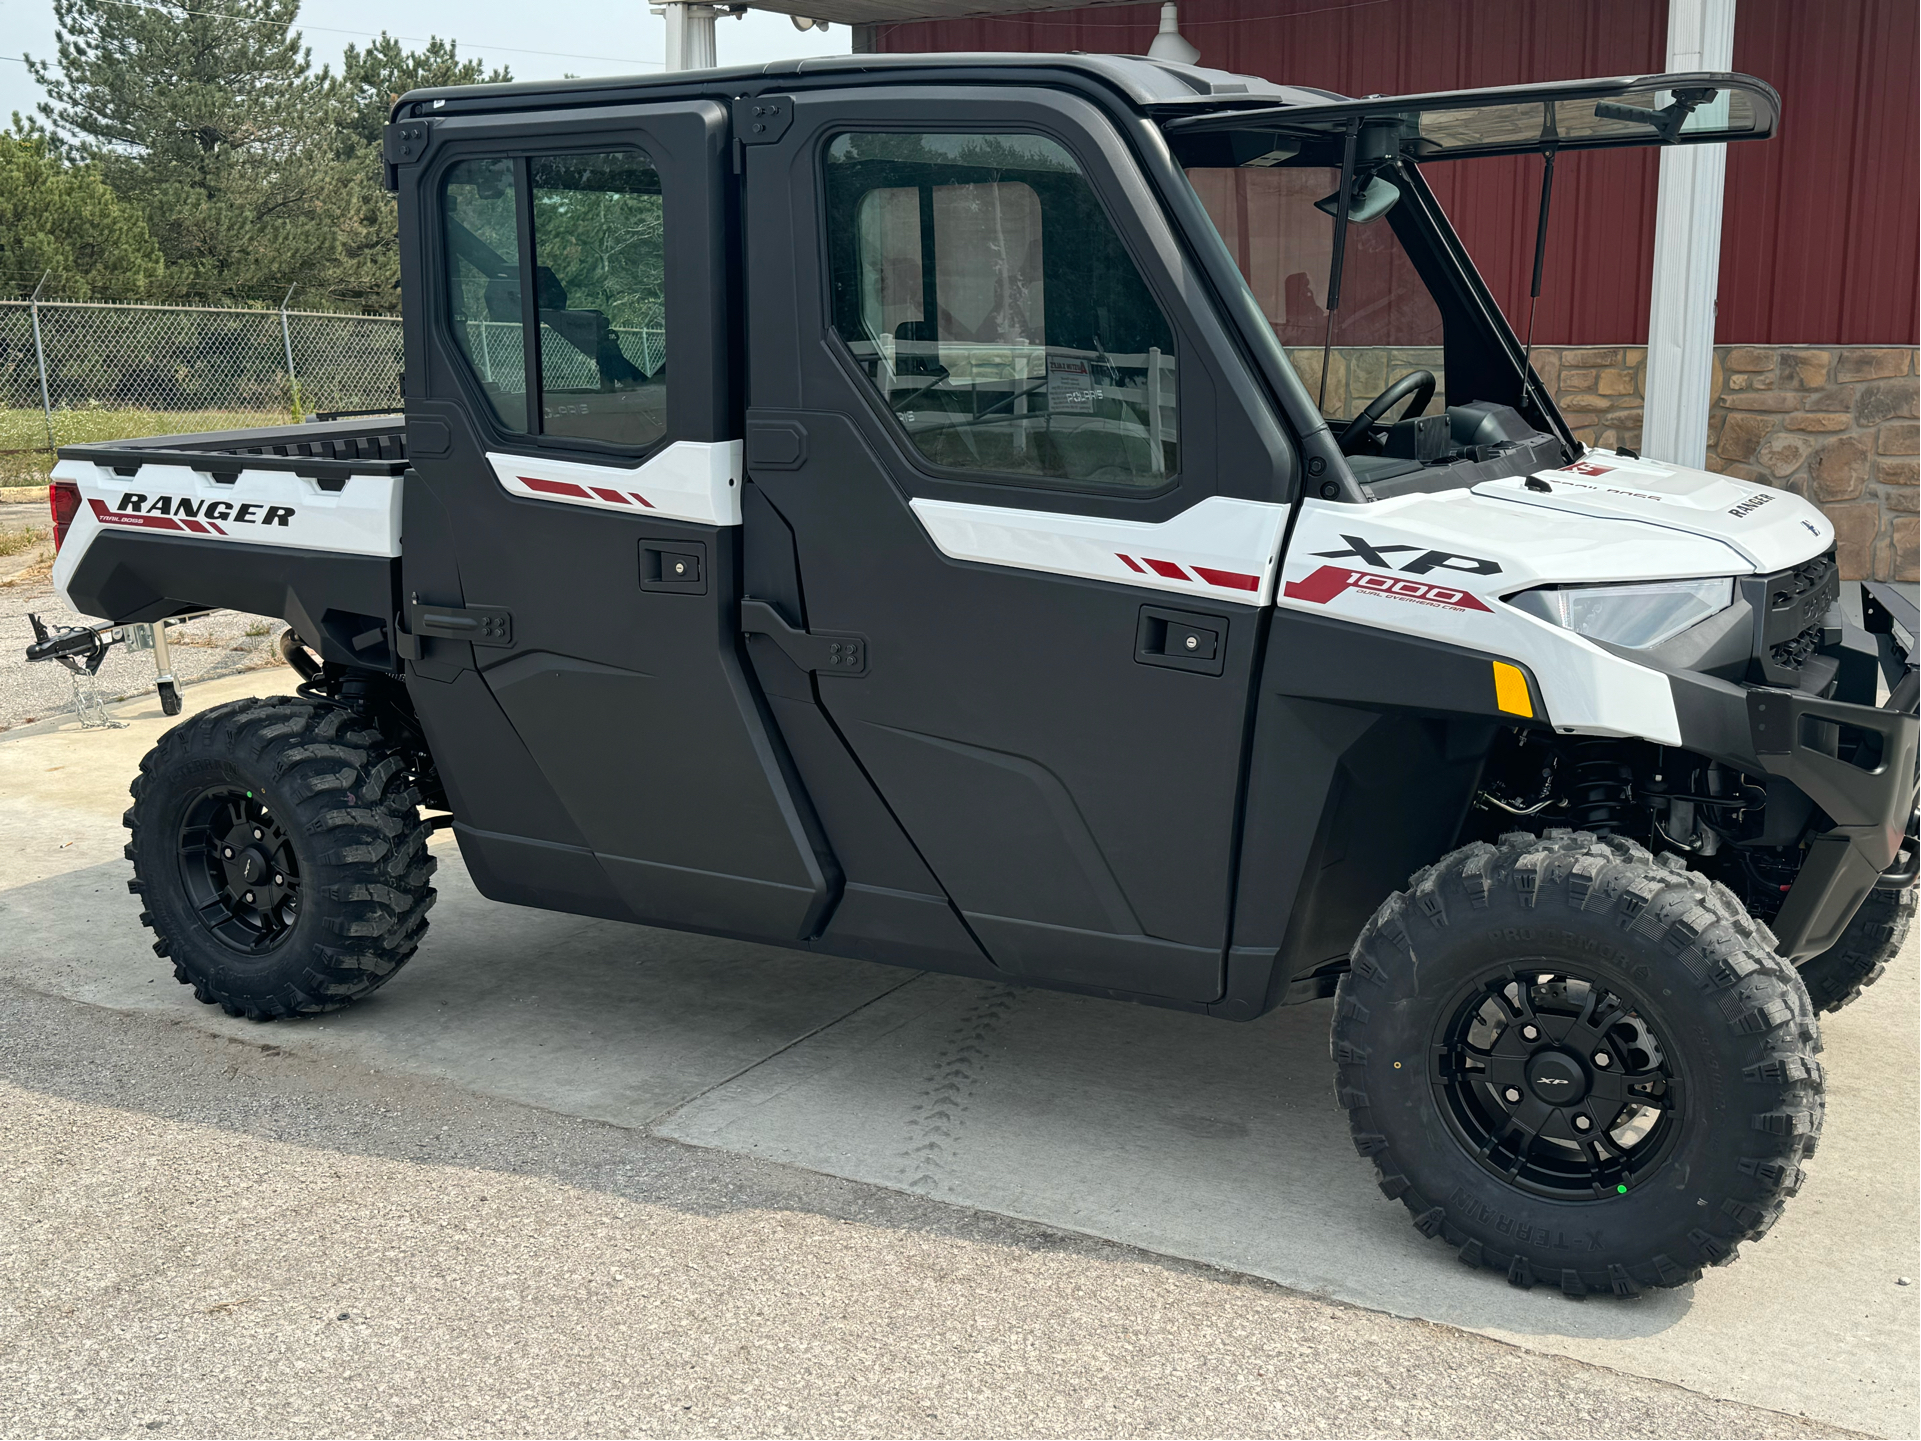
(1003, 444)
(572, 520)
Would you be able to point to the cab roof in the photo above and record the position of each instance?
(1144, 83)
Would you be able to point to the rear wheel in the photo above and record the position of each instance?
(1577, 1064)
(1839, 974)
(279, 850)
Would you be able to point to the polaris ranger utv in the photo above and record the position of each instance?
(870, 506)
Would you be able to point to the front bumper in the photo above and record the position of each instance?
(1858, 764)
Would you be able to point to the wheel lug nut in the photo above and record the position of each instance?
(248, 898)
(1601, 1059)
(1582, 1123)
(228, 852)
(1530, 1033)
(279, 879)
(257, 833)
(1511, 1094)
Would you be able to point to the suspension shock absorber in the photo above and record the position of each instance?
(1600, 787)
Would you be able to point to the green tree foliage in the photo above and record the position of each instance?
(372, 79)
(205, 119)
(255, 172)
(64, 223)
(359, 100)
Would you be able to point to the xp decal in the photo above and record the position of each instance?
(1420, 565)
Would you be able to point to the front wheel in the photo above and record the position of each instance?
(1577, 1064)
(279, 850)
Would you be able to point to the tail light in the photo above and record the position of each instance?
(63, 499)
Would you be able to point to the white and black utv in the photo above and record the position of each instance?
(869, 506)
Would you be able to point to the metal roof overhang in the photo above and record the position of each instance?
(895, 12)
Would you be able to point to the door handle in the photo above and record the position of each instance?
(819, 651)
(1181, 640)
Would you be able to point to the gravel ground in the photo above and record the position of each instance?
(202, 650)
(212, 1237)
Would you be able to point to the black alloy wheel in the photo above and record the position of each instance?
(240, 870)
(1578, 1063)
(279, 851)
(1556, 1084)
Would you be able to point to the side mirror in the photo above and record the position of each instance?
(1374, 200)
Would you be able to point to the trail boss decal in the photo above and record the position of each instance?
(179, 512)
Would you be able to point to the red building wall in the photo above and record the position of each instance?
(1821, 233)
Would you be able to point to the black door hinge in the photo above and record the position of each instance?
(817, 651)
(762, 119)
(476, 624)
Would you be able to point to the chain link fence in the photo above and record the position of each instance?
(83, 371)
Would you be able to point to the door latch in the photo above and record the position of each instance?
(817, 651)
(1181, 640)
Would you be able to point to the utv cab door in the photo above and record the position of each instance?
(572, 521)
(1011, 517)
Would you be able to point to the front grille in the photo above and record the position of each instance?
(1790, 614)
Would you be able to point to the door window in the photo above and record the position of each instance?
(483, 275)
(984, 292)
(595, 331)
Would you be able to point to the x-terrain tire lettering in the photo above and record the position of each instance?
(1578, 1064)
(279, 850)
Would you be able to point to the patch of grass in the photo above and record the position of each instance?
(259, 627)
(24, 432)
(12, 542)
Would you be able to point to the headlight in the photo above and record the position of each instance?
(1637, 616)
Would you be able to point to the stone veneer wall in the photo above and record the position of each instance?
(1837, 424)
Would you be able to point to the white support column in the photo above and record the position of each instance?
(690, 34)
(1687, 254)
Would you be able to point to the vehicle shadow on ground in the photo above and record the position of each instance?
(1197, 1139)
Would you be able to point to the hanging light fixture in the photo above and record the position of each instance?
(1170, 44)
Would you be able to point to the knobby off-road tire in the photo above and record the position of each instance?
(1594, 946)
(280, 854)
(1838, 975)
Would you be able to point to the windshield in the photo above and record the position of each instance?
(1388, 324)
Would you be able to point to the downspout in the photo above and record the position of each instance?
(1687, 254)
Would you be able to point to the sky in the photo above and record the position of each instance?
(555, 37)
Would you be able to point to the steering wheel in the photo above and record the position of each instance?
(1418, 383)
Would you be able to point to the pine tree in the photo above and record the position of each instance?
(212, 121)
(63, 224)
(360, 98)
(372, 79)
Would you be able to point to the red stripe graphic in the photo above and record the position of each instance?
(1333, 580)
(1131, 563)
(641, 498)
(1230, 579)
(612, 495)
(197, 527)
(1165, 568)
(556, 487)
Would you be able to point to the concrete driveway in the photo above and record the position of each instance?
(871, 1129)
